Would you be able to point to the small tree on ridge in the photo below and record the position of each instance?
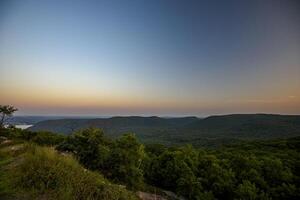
(5, 112)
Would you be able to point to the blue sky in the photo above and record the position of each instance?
(150, 57)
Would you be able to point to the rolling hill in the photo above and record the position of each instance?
(213, 129)
(248, 125)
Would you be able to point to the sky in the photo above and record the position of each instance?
(156, 57)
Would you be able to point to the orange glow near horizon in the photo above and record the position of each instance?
(84, 59)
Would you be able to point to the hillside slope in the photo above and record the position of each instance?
(32, 172)
(248, 125)
(201, 132)
(116, 125)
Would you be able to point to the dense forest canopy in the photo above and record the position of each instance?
(249, 170)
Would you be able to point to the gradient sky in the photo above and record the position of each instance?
(164, 57)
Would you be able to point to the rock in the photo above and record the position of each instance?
(149, 196)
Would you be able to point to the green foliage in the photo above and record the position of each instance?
(247, 191)
(249, 170)
(43, 173)
(126, 159)
(155, 149)
(173, 170)
(87, 146)
(120, 160)
(41, 137)
(264, 170)
(47, 138)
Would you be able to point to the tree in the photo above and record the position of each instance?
(5, 112)
(174, 170)
(85, 144)
(247, 191)
(126, 159)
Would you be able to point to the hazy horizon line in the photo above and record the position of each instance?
(145, 115)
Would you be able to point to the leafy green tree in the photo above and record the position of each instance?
(189, 185)
(274, 171)
(286, 191)
(173, 170)
(155, 149)
(215, 176)
(85, 145)
(126, 159)
(247, 191)
(248, 167)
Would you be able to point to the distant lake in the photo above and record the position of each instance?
(22, 126)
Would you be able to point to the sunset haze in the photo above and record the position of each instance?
(166, 58)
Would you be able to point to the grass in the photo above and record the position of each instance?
(42, 173)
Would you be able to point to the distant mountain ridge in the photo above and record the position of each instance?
(185, 129)
(69, 125)
(258, 125)
(16, 120)
(27, 119)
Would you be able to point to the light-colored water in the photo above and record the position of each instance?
(22, 126)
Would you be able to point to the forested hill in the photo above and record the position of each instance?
(249, 125)
(209, 131)
(117, 124)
